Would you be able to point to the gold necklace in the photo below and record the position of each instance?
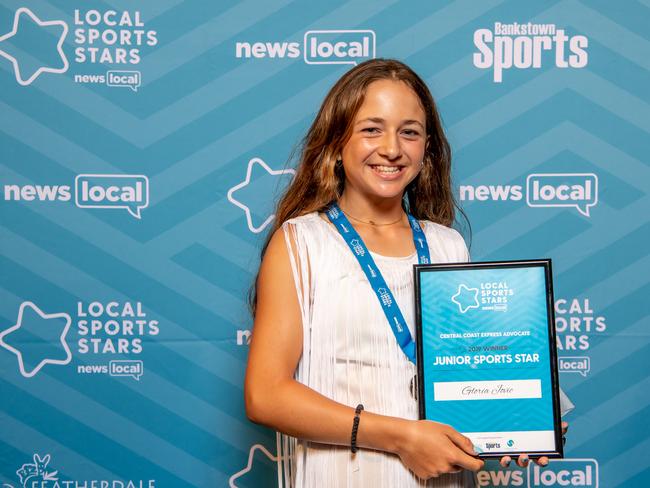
(370, 222)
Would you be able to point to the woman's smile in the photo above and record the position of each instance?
(387, 172)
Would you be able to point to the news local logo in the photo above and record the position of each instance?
(129, 192)
(318, 47)
(100, 191)
(527, 45)
(99, 36)
(243, 337)
(575, 364)
(558, 473)
(114, 78)
(573, 190)
(564, 472)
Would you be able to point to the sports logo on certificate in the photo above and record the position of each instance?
(486, 354)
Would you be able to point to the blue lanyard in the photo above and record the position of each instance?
(376, 280)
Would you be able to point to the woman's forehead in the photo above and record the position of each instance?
(391, 100)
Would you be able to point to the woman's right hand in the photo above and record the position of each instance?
(430, 449)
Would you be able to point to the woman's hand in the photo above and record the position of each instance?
(430, 449)
(522, 460)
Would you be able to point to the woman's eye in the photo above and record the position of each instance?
(370, 130)
(412, 133)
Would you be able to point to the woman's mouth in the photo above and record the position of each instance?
(387, 171)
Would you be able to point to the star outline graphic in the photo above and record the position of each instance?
(19, 354)
(42, 69)
(455, 297)
(247, 180)
(249, 466)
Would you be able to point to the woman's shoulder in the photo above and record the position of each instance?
(442, 231)
(447, 239)
(306, 219)
(306, 227)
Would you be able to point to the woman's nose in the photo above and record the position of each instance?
(390, 147)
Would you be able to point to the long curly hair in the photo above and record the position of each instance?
(319, 180)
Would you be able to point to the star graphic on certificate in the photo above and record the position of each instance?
(466, 298)
(254, 194)
(37, 339)
(26, 46)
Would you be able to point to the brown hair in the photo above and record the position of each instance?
(319, 180)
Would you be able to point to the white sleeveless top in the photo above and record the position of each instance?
(350, 353)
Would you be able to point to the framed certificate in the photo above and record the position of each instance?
(486, 354)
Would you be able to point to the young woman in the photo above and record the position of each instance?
(322, 343)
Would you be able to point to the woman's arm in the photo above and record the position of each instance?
(275, 399)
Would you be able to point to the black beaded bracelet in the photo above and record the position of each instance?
(355, 427)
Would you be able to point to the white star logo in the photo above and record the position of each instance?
(19, 354)
(244, 183)
(59, 46)
(462, 295)
(249, 466)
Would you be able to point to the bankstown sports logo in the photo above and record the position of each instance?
(107, 336)
(318, 47)
(38, 474)
(524, 46)
(572, 190)
(102, 191)
(101, 37)
(559, 473)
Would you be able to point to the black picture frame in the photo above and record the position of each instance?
(546, 264)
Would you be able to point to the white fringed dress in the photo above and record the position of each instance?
(350, 353)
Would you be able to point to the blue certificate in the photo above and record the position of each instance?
(486, 354)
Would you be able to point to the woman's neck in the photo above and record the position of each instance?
(379, 211)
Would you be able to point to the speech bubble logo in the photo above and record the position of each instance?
(128, 79)
(579, 190)
(563, 472)
(112, 191)
(575, 364)
(126, 367)
(338, 46)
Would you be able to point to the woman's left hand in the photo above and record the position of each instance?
(522, 460)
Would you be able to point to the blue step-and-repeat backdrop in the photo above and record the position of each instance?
(143, 145)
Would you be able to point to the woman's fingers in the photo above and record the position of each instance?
(461, 441)
(468, 462)
(543, 461)
(522, 460)
(565, 427)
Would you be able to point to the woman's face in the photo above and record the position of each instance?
(387, 142)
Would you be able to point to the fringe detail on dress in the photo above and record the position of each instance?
(350, 353)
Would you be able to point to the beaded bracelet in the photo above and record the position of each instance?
(355, 427)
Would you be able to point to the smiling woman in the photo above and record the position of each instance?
(334, 296)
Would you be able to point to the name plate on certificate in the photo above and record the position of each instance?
(486, 354)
